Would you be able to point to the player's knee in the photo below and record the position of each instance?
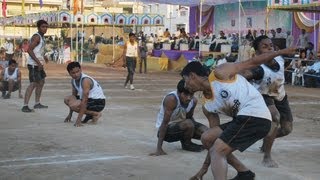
(187, 125)
(220, 147)
(286, 130)
(276, 118)
(206, 140)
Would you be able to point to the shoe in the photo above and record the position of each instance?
(247, 175)
(192, 147)
(86, 119)
(7, 96)
(3, 94)
(40, 106)
(131, 87)
(26, 109)
(126, 86)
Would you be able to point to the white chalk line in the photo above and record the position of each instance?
(54, 162)
(45, 157)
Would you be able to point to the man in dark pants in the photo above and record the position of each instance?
(130, 54)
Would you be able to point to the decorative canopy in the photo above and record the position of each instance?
(296, 6)
(192, 2)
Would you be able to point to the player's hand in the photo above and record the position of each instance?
(199, 175)
(288, 51)
(67, 119)
(124, 65)
(159, 152)
(40, 67)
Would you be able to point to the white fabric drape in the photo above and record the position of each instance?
(307, 21)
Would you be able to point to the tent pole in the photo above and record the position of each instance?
(82, 39)
(239, 25)
(200, 27)
(314, 33)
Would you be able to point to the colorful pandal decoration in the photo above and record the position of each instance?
(61, 17)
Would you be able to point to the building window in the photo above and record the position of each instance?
(295, 1)
(79, 19)
(92, 20)
(276, 1)
(64, 18)
(106, 21)
(183, 13)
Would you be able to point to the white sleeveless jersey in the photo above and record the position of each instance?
(236, 97)
(95, 93)
(272, 83)
(13, 76)
(132, 50)
(179, 113)
(38, 52)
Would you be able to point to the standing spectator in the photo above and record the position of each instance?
(130, 54)
(9, 49)
(303, 39)
(143, 56)
(279, 34)
(289, 40)
(24, 48)
(35, 66)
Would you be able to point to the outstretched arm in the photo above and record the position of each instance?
(68, 118)
(86, 86)
(169, 104)
(227, 71)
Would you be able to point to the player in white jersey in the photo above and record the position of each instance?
(175, 120)
(87, 96)
(269, 80)
(10, 78)
(36, 61)
(227, 92)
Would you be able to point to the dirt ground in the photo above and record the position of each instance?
(40, 145)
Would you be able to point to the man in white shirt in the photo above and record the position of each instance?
(9, 49)
(289, 40)
(303, 39)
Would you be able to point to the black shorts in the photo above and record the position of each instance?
(175, 133)
(96, 105)
(243, 131)
(5, 86)
(35, 75)
(282, 106)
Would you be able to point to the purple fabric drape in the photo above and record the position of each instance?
(207, 19)
(296, 31)
(175, 55)
(192, 20)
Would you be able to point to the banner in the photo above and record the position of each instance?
(23, 13)
(41, 3)
(75, 7)
(4, 8)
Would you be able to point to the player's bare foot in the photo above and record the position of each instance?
(96, 118)
(268, 162)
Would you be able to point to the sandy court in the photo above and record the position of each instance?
(40, 145)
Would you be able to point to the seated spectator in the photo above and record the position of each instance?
(298, 68)
(209, 63)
